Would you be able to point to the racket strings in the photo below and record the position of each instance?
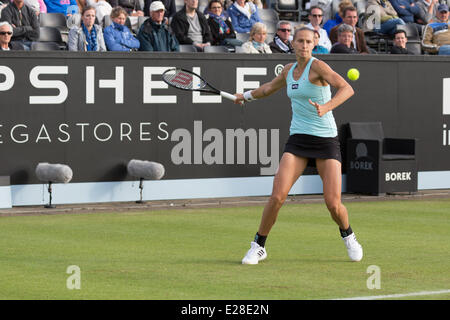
(184, 80)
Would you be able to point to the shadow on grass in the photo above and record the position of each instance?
(235, 262)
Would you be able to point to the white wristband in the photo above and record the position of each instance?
(248, 96)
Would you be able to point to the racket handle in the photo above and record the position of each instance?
(228, 95)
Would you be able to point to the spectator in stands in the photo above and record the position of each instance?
(315, 17)
(345, 39)
(37, 5)
(388, 16)
(256, 42)
(154, 34)
(318, 49)
(24, 22)
(117, 36)
(102, 8)
(2, 5)
(257, 3)
(281, 42)
(132, 7)
(330, 24)
(360, 5)
(400, 41)
(6, 31)
(406, 9)
(327, 7)
(350, 17)
(207, 12)
(222, 30)
(88, 36)
(427, 11)
(441, 14)
(67, 7)
(191, 27)
(170, 6)
(436, 38)
(243, 15)
(81, 4)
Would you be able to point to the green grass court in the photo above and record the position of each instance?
(196, 254)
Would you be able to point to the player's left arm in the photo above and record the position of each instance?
(344, 89)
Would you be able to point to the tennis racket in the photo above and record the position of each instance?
(187, 80)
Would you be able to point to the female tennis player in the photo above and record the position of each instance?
(313, 135)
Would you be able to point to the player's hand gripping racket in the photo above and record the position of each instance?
(190, 81)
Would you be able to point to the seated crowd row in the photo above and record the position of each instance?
(425, 22)
(166, 30)
(20, 27)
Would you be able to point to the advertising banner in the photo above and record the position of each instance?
(95, 112)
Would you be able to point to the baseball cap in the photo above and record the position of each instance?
(157, 5)
(442, 7)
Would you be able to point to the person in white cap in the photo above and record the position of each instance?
(170, 6)
(191, 27)
(154, 34)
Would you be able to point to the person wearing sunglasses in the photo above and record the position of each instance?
(24, 21)
(315, 21)
(282, 41)
(6, 32)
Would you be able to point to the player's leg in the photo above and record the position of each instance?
(330, 172)
(290, 169)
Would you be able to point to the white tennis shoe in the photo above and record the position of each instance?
(255, 254)
(354, 249)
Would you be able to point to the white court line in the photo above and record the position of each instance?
(400, 295)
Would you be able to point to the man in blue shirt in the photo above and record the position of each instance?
(67, 7)
(406, 9)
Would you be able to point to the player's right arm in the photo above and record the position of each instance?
(267, 88)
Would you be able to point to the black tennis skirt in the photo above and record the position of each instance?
(313, 147)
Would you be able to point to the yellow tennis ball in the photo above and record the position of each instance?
(353, 74)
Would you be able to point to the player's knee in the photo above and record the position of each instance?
(278, 199)
(333, 205)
